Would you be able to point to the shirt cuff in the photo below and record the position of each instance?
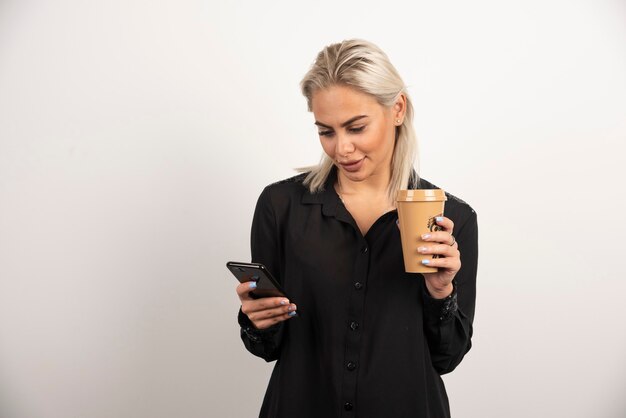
(441, 309)
(253, 333)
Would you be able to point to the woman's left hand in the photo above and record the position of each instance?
(442, 243)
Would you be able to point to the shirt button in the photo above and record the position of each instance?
(351, 366)
(358, 285)
(354, 325)
(347, 406)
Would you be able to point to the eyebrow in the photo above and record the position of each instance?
(346, 123)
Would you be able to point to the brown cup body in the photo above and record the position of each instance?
(417, 210)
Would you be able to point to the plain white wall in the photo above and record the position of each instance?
(136, 136)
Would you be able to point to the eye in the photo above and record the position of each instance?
(357, 130)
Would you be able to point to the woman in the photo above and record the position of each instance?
(361, 337)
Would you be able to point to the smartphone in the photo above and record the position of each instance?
(266, 285)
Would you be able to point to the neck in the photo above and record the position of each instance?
(374, 185)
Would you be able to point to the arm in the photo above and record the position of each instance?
(448, 321)
(264, 343)
(265, 249)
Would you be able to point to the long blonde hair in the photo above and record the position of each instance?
(365, 67)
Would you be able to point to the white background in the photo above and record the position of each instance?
(136, 136)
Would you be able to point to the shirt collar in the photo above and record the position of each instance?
(329, 199)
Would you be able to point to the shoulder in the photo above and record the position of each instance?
(283, 191)
(293, 181)
(456, 208)
(290, 186)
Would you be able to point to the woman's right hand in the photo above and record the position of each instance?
(264, 312)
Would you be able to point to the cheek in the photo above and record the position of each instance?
(376, 141)
(328, 148)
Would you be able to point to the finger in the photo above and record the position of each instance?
(255, 305)
(443, 237)
(440, 249)
(266, 323)
(267, 314)
(244, 289)
(445, 223)
(450, 263)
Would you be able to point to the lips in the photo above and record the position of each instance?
(353, 165)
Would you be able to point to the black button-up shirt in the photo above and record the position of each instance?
(368, 341)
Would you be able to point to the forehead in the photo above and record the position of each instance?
(338, 103)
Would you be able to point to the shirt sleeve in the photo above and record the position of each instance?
(448, 322)
(265, 249)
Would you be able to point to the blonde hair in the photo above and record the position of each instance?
(365, 67)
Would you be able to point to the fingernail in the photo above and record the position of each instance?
(283, 302)
(425, 261)
(253, 285)
(292, 313)
(420, 249)
(425, 236)
(439, 218)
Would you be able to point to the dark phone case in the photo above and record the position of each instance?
(267, 286)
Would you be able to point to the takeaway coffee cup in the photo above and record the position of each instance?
(417, 210)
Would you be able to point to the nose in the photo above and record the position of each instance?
(344, 147)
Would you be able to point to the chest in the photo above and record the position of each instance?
(366, 213)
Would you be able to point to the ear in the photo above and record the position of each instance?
(399, 107)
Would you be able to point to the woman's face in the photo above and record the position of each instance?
(354, 128)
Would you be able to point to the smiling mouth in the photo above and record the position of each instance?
(351, 162)
(353, 166)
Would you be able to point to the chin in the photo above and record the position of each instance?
(356, 176)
